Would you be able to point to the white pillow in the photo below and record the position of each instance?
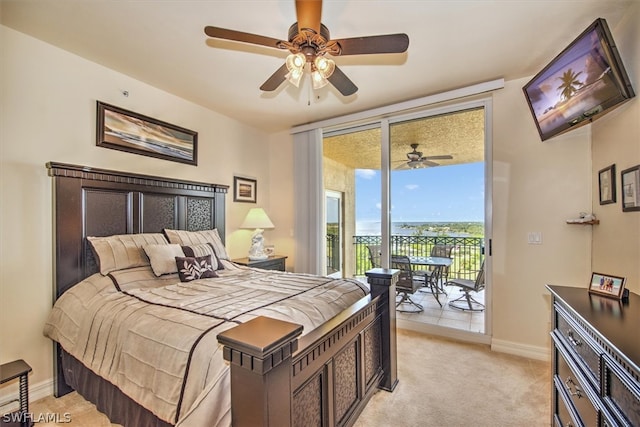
(122, 251)
(163, 258)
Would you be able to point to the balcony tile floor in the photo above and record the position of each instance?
(446, 316)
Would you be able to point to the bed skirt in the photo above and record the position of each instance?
(109, 400)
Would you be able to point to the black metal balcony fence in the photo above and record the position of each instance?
(467, 254)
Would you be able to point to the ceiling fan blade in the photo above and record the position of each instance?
(239, 36)
(341, 82)
(442, 157)
(389, 43)
(276, 79)
(309, 13)
(426, 163)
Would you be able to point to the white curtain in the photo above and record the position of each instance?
(309, 202)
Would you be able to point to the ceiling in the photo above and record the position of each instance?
(452, 44)
(459, 135)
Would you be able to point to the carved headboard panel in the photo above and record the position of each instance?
(98, 202)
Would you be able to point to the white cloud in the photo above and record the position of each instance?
(366, 173)
(412, 186)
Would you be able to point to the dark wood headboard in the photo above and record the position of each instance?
(97, 202)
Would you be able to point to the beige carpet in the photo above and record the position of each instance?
(447, 383)
(442, 383)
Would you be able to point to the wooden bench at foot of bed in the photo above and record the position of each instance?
(324, 378)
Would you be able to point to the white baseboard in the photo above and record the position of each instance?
(12, 395)
(454, 334)
(524, 350)
(501, 346)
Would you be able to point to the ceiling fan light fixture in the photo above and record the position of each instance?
(294, 76)
(318, 80)
(324, 66)
(296, 61)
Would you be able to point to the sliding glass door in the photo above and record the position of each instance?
(415, 185)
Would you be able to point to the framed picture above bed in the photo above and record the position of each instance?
(124, 130)
(245, 190)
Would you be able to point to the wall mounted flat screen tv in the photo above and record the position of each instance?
(585, 81)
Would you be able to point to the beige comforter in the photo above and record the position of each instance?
(155, 338)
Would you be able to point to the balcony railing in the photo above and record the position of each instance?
(467, 254)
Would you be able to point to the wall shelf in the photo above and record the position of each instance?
(592, 222)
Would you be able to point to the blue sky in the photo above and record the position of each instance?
(436, 194)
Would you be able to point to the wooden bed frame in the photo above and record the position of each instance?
(324, 378)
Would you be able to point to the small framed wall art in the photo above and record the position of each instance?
(607, 185)
(124, 130)
(245, 190)
(606, 285)
(631, 189)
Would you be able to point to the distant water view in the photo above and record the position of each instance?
(453, 229)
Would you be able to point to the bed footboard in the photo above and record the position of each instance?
(322, 379)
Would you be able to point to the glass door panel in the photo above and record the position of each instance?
(437, 208)
(352, 167)
(334, 232)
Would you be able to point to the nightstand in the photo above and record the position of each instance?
(10, 371)
(274, 262)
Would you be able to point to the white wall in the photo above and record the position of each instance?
(536, 187)
(616, 140)
(48, 111)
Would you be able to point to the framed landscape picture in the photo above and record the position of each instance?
(606, 285)
(244, 190)
(124, 130)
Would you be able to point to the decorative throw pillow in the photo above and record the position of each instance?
(163, 258)
(203, 249)
(122, 251)
(192, 268)
(184, 237)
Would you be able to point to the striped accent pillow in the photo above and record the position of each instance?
(123, 250)
(184, 238)
(203, 249)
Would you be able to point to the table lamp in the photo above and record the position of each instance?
(257, 218)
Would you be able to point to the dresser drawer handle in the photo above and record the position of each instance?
(568, 383)
(572, 340)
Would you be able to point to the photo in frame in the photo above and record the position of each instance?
(630, 189)
(606, 285)
(245, 190)
(607, 185)
(124, 130)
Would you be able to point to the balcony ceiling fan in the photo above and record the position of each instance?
(310, 44)
(416, 160)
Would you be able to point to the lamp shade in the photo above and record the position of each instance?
(257, 218)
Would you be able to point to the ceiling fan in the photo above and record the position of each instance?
(415, 160)
(309, 43)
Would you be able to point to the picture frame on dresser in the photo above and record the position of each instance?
(607, 184)
(607, 285)
(124, 130)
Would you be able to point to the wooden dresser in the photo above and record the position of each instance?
(595, 359)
